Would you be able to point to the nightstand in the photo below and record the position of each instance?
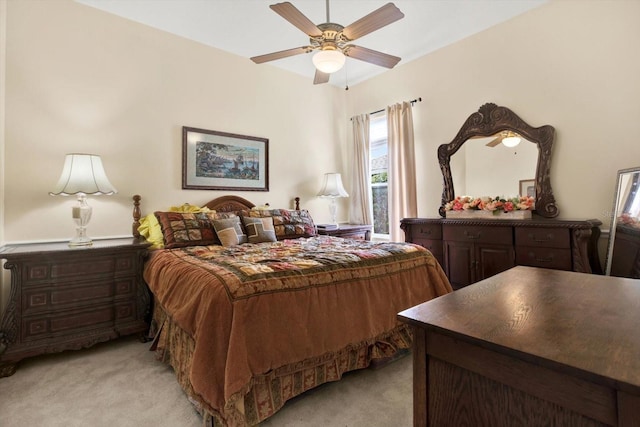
(65, 298)
(350, 231)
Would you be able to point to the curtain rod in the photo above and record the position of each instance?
(419, 99)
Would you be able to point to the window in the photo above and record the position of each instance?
(378, 167)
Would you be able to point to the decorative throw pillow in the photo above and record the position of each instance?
(150, 227)
(230, 231)
(181, 229)
(259, 229)
(288, 224)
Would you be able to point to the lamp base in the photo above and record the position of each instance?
(80, 241)
(81, 214)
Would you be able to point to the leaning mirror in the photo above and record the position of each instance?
(489, 156)
(623, 251)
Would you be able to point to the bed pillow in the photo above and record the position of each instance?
(288, 224)
(259, 229)
(230, 231)
(180, 229)
(150, 229)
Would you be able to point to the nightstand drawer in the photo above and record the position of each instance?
(77, 267)
(36, 328)
(56, 297)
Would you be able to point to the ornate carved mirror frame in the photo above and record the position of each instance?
(489, 120)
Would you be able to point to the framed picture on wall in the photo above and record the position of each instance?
(528, 187)
(214, 160)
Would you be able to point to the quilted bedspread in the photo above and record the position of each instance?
(254, 308)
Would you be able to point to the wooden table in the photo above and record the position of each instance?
(529, 347)
(349, 231)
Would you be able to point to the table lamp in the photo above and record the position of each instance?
(333, 189)
(82, 174)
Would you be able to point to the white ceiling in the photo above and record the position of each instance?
(249, 27)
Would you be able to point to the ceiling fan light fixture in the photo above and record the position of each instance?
(511, 141)
(328, 61)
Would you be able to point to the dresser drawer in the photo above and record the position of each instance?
(478, 234)
(543, 237)
(558, 259)
(425, 231)
(434, 246)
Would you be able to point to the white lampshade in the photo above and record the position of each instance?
(328, 61)
(83, 173)
(333, 186)
(511, 141)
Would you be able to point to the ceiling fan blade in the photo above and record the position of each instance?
(279, 55)
(371, 56)
(375, 20)
(495, 142)
(293, 15)
(320, 77)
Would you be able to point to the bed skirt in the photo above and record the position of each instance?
(269, 392)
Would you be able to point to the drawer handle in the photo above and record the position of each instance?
(472, 236)
(550, 259)
(422, 231)
(536, 239)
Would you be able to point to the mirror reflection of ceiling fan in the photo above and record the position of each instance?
(507, 138)
(332, 41)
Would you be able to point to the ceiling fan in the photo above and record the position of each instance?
(507, 138)
(332, 41)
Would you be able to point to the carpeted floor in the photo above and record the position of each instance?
(120, 383)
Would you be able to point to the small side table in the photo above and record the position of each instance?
(65, 298)
(350, 231)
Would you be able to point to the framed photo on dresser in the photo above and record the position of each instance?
(213, 160)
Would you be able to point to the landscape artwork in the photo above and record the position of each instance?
(215, 160)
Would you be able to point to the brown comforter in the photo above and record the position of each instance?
(254, 308)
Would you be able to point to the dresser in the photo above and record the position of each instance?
(529, 347)
(472, 250)
(65, 298)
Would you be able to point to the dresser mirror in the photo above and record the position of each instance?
(623, 251)
(486, 134)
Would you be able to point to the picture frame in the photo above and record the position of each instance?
(528, 187)
(213, 160)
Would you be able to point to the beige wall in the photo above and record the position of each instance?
(572, 64)
(81, 80)
(90, 81)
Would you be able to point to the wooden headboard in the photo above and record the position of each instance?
(220, 204)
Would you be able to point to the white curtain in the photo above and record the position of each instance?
(401, 169)
(360, 210)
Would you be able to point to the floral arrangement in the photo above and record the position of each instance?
(627, 219)
(497, 204)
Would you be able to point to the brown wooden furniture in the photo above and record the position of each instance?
(349, 231)
(529, 347)
(472, 250)
(66, 298)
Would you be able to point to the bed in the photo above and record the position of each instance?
(248, 326)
